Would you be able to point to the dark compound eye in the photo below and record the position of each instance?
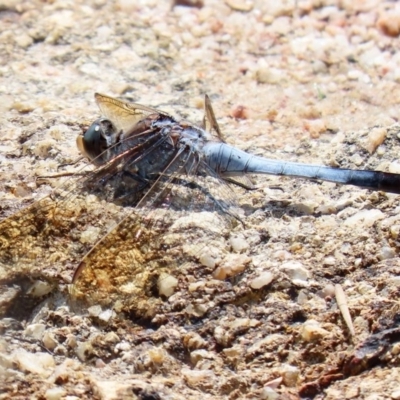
(92, 140)
(98, 138)
(93, 135)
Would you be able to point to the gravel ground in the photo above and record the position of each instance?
(315, 81)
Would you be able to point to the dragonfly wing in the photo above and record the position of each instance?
(210, 123)
(123, 114)
(147, 255)
(44, 241)
(126, 257)
(47, 240)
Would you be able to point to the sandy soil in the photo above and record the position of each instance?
(312, 81)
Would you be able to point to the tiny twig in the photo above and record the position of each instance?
(344, 309)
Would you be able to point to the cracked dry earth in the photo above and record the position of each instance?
(315, 81)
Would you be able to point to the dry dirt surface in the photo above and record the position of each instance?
(314, 81)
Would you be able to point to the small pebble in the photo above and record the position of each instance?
(55, 393)
(157, 355)
(240, 5)
(231, 265)
(197, 310)
(208, 261)
(290, 375)
(386, 252)
(49, 341)
(94, 311)
(268, 393)
(123, 346)
(328, 291)
(375, 139)
(315, 127)
(167, 285)
(89, 235)
(39, 363)
(111, 338)
(394, 167)
(106, 315)
(199, 355)
(100, 363)
(23, 107)
(238, 244)
(264, 279)
(23, 40)
(239, 112)
(329, 261)
(269, 75)
(395, 395)
(110, 389)
(354, 74)
(83, 350)
(39, 289)
(302, 298)
(311, 330)
(389, 24)
(35, 331)
(193, 340)
(195, 377)
(364, 218)
(296, 272)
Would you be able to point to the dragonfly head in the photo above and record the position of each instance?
(100, 136)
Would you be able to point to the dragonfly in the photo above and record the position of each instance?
(160, 196)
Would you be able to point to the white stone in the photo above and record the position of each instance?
(264, 279)
(55, 393)
(290, 374)
(269, 75)
(240, 5)
(207, 260)
(39, 289)
(41, 364)
(82, 349)
(112, 337)
(35, 331)
(395, 395)
(354, 74)
(199, 355)
(95, 311)
(231, 265)
(112, 390)
(49, 341)
(296, 272)
(167, 285)
(311, 330)
(364, 218)
(195, 377)
(394, 167)
(106, 315)
(269, 394)
(238, 244)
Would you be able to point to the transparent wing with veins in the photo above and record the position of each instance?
(210, 123)
(124, 115)
(174, 221)
(131, 246)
